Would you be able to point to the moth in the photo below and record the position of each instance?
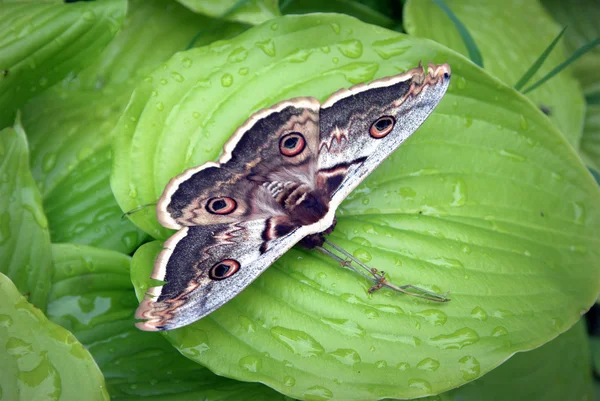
(278, 183)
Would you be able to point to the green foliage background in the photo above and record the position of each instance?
(102, 102)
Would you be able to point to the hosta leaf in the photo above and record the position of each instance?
(590, 142)
(24, 238)
(348, 7)
(41, 43)
(486, 200)
(511, 39)
(558, 370)
(246, 11)
(582, 21)
(70, 124)
(41, 360)
(92, 295)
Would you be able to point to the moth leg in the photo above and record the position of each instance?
(379, 276)
(343, 262)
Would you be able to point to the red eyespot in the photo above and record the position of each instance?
(382, 127)
(292, 144)
(221, 205)
(224, 269)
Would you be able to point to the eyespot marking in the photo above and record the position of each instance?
(221, 205)
(292, 144)
(382, 126)
(224, 269)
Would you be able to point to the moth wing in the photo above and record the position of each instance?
(252, 157)
(361, 126)
(206, 266)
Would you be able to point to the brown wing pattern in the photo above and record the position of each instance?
(232, 190)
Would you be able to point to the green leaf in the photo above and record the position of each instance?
(70, 125)
(539, 62)
(41, 43)
(584, 21)
(486, 200)
(348, 7)
(590, 142)
(558, 370)
(41, 360)
(510, 42)
(92, 295)
(246, 11)
(472, 49)
(24, 238)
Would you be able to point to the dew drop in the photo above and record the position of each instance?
(407, 193)
(512, 155)
(317, 393)
(268, 47)
(163, 81)
(365, 201)
(429, 365)
(238, 55)
(523, 123)
(89, 15)
(479, 314)
(243, 71)
(336, 27)
(196, 115)
(446, 262)
(361, 241)
(299, 342)
(371, 314)
(390, 47)
(381, 364)
(502, 313)
(299, 56)
(17, 347)
(433, 316)
(44, 380)
(579, 210)
(351, 48)
(130, 239)
(420, 384)
(459, 193)
(335, 60)
(403, 366)
(226, 80)
(363, 255)
(5, 321)
(469, 367)
(274, 26)
(346, 356)
(250, 363)
(160, 106)
(289, 381)
(325, 49)
(499, 331)
(48, 162)
(557, 323)
(461, 83)
(186, 62)
(177, 76)
(457, 340)
(132, 191)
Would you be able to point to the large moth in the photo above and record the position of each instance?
(278, 182)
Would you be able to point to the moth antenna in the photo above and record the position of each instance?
(135, 210)
(379, 276)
